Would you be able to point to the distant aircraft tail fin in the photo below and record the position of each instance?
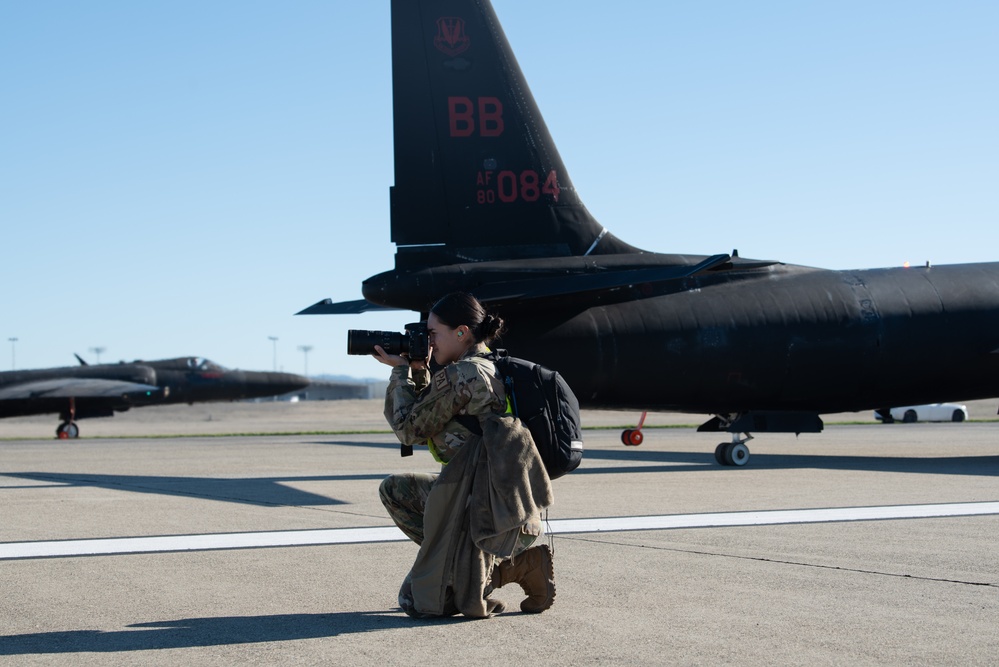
(477, 175)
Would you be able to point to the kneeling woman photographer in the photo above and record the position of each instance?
(472, 539)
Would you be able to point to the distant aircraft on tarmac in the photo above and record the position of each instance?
(483, 203)
(78, 392)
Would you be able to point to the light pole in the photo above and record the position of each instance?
(305, 350)
(274, 339)
(97, 351)
(12, 342)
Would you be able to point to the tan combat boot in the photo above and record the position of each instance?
(535, 573)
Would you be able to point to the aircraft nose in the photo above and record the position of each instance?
(274, 384)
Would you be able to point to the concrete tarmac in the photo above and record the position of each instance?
(724, 582)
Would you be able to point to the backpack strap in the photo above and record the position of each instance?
(471, 422)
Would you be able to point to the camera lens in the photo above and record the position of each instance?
(360, 341)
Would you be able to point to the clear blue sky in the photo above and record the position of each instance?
(179, 178)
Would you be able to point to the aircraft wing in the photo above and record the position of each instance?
(327, 307)
(549, 287)
(561, 286)
(78, 388)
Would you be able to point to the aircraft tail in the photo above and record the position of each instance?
(477, 175)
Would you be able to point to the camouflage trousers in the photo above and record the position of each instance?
(404, 495)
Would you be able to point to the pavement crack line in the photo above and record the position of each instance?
(762, 559)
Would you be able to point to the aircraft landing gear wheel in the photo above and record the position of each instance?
(632, 437)
(736, 454)
(732, 454)
(68, 431)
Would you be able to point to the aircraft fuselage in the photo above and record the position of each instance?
(744, 335)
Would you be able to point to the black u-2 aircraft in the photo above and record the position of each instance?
(483, 203)
(77, 392)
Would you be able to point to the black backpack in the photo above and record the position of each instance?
(543, 401)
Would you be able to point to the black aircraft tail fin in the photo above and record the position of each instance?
(477, 175)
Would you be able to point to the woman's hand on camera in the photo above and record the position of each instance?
(389, 359)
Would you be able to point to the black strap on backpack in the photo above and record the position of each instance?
(471, 422)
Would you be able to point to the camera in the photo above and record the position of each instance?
(414, 342)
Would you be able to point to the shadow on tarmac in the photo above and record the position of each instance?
(982, 466)
(274, 491)
(358, 443)
(265, 491)
(223, 631)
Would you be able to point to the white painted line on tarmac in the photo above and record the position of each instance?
(774, 517)
(136, 545)
(298, 538)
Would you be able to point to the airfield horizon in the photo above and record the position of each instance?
(265, 418)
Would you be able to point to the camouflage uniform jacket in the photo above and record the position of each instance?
(421, 410)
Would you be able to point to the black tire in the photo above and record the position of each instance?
(909, 417)
(958, 416)
(720, 454)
